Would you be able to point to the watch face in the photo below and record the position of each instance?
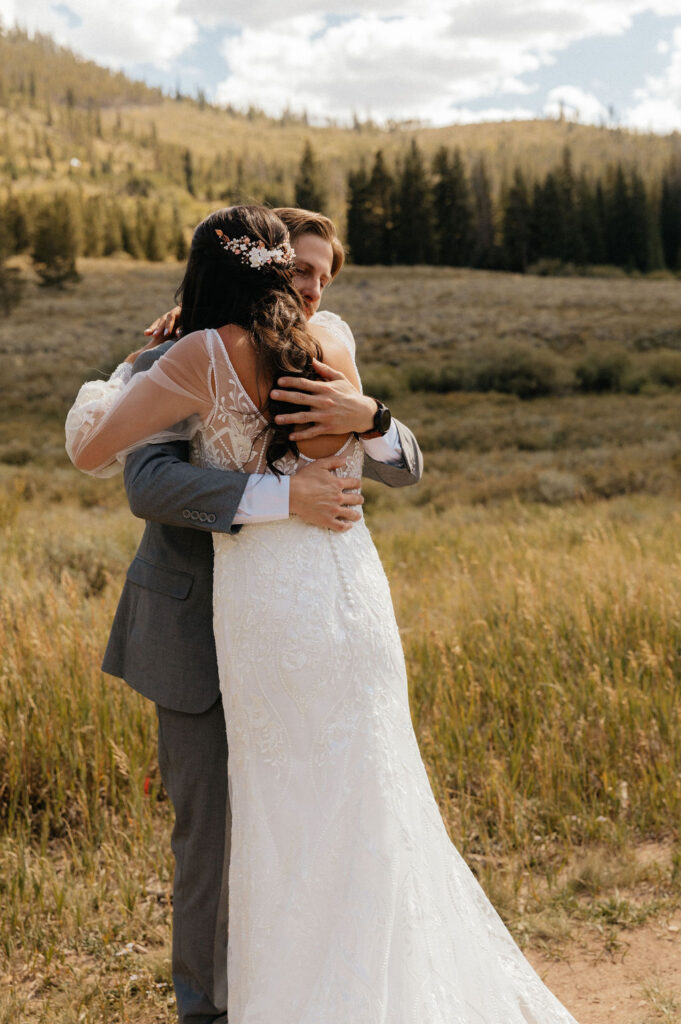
(383, 420)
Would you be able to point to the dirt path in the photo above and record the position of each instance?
(639, 983)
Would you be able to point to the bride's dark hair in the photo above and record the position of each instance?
(218, 289)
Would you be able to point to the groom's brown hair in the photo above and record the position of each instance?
(306, 222)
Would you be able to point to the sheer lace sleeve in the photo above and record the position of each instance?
(334, 325)
(170, 401)
(339, 329)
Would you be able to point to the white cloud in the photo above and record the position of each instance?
(116, 35)
(576, 104)
(427, 62)
(412, 66)
(658, 103)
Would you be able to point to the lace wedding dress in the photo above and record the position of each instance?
(348, 902)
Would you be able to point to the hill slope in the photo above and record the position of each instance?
(66, 120)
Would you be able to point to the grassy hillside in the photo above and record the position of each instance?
(56, 108)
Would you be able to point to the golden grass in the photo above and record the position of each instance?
(542, 647)
(542, 638)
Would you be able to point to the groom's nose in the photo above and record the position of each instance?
(312, 290)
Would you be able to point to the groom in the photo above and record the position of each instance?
(161, 641)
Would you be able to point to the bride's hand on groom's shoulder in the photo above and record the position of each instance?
(165, 326)
(158, 332)
(322, 499)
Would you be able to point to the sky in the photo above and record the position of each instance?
(615, 62)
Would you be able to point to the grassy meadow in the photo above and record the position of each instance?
(535, 574)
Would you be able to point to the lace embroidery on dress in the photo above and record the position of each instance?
(236, 434)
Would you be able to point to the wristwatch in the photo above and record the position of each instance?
(382, 421)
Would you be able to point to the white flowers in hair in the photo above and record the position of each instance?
(255, 254)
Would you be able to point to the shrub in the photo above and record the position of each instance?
(665, 369)
(602, 371)
(11, 288)
(664, 338)
(522, 370)
(382, 381)
(441, 379)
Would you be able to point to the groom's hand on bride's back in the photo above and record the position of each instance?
(323, 499)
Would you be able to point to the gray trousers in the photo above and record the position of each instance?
(192, 753)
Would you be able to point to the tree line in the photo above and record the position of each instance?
(439, 212)
(55, 229)
(444, 213)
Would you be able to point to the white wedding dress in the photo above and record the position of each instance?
(348, 902)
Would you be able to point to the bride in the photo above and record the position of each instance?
(348, 902)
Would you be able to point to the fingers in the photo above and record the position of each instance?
(303, 398)
(331, 462)
(292, 417)
(156, 327)
(311, 386)
(339, 526)
(314, 430)
(326, 371)
(164, 326)
(342, 521)
(352, 498)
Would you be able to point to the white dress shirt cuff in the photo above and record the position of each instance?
(386, 449)
(265, 499)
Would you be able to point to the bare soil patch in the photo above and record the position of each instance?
(637, 982)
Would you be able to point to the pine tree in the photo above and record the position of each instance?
(548, 233)
(151, 232)
(188, 166)
(379, 241)
(130, 235)
(591, 226)
(113, 228)
(15, 220)
(452, 210)
(358, 214)
(310, 193)
(179, 241)
(572, 242)
(618, 210)
(670, 215)
(516, 225)
(55, 242)
(93, 227)
(483, 247)
(413, 231)
(641, 256)
(11, 281)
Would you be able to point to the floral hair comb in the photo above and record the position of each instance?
(256, 254)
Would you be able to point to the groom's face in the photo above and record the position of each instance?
(312, 273)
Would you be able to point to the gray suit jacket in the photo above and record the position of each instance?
(161, 641)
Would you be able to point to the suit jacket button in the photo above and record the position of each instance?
(186, 513)
(211, 517)
(195, 514)
(203, 517)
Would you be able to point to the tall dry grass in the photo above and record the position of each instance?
(542, 638)
(543, 651)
